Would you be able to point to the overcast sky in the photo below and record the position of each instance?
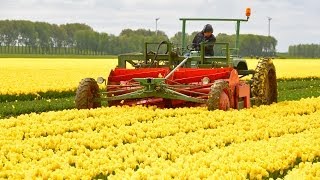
(293, 21)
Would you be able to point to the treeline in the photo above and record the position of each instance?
(257, 45)
(26, 37)
(305, 50)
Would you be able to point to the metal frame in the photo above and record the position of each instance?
(154, 87)
(172, 60)
(184, 20)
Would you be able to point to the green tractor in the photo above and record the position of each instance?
(182, 77)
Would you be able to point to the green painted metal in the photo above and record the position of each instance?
(212, 19)
(151, 84)
(184, 44)
(154, 87)
(237, 38)
(202, 51)
(171, 60)
(228, 55)
(145, 52)
(210, 59)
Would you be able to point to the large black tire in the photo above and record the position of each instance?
(217, 88)
(87, 91)
(264, 83)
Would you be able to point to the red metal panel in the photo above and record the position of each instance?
(191, 75)
(121, 71)
(224, 101)
(244, 92)
(212, 77)
(121, 74)
(190, 72)
(233, 82)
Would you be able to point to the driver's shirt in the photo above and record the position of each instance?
(201, 38)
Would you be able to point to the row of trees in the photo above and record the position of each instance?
(305, 50)
(20, 36)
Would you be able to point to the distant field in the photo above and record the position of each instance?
(293, 68)
(33, 75)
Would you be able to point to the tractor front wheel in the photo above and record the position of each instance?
(219, 96)
(87, 93)
(264, 83)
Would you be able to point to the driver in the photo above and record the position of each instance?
(205, 36)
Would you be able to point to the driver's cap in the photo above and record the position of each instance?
(208, 28)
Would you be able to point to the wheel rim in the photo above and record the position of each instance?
(90, 98)
(272, 87)
(267, 88)
(224, 103)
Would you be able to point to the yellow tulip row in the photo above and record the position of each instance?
(292, 68)
(42, 75)
(30, 76)
(250, 159)
(140, 142)
(305, 170)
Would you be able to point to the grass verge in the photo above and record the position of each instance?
(24, 107)
(295, 89)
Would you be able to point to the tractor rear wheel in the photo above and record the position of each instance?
(219, 96)
(87, 92)
(264, 83)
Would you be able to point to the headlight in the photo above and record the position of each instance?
(205, 80)
(100, 80)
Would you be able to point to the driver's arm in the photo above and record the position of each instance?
(212, 39)
(196, 42)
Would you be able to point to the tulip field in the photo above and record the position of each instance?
(43, 136)
(30, 76)
(43, 75)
